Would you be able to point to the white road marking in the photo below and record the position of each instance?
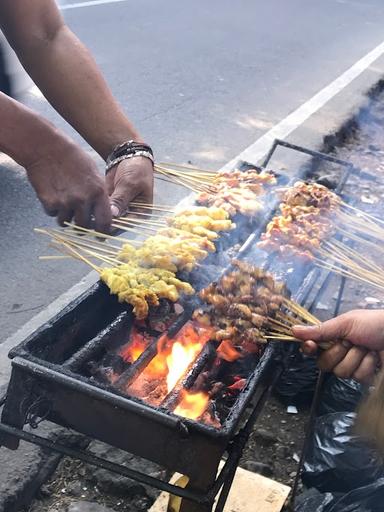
(253, 153)
(90, 3)
(281, 130)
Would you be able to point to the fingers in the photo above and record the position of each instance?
(102, 213)
(309, 348)
(64, 215)
(349, 362)
(83, 215)
(334, 329)
(366, 371)
(346, 368)
(330, 358)
(132, 180)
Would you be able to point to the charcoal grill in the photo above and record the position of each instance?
(47, 384)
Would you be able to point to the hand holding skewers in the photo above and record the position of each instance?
(360, 345)
(359, 354)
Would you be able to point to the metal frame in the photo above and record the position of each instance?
(196, 498)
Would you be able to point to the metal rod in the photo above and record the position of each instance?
(340, 296)
(113, 331)
(89, 458)
(228, 472)
(308, 434)
(310, 152)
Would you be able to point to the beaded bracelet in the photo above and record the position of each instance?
(129, 149)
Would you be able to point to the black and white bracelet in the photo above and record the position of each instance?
(126, 150)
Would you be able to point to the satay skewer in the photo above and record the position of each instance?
(187, 167)
(149, 206)
(140, 222)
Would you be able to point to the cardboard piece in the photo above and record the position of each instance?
(249, 492)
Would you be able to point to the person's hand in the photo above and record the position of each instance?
(69, 187)
(358, 347)
(130, 180)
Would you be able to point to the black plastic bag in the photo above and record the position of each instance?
(339, 395)
(298, 381)
(312, 500)
(365, 499)
(338, 460)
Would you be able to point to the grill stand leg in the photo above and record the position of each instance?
(201, 484)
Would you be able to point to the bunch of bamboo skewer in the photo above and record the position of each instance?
(334, 255)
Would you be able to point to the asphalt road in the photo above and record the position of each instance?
(201, 80)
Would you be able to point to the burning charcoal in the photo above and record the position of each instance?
(202, 381)
(216, 389)
(238, 385)
(114, 361)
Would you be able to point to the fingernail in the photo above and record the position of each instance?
(302, 328)
(346, 344)
(114, 210)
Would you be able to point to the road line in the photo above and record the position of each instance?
(258, 149)
(253, 153)
(90, 3)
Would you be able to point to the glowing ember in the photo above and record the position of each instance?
(134, 348)
(192, 405)
(227, 351)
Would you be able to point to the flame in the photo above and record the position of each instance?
(179, 360)
(192, 405)
(174, 357)
(134, 348)
(171, 362)
(227, 351)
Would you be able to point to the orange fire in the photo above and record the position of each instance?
(179, 360)
(227, 351)
(192, 405)
(134, 348)
(174, 357)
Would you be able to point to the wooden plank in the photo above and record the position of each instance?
(249, 492)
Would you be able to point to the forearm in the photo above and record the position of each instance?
(24, 135)
(68, 76)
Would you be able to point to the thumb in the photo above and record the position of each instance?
(122, 195)
(334, 329)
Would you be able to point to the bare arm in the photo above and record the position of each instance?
(68, 76)
(65, 72)
(64, 177)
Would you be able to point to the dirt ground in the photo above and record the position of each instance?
(275, 444)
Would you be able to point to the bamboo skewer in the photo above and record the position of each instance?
(132, 230)
(140, 222)
(145, 214)
(182, 175)
(105, 259)
(184, 182)
(79, 256)
(94, 233)
(342, 272)
(55, 257)
(376, 220)
(148, 206)
(187, 167)
(93, 244)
